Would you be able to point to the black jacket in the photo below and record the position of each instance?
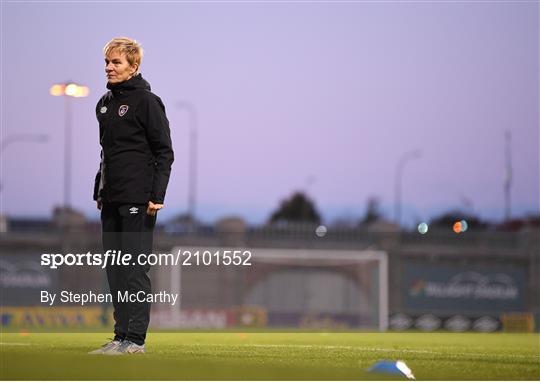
(136, 155)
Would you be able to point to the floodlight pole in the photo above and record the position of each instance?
(408, 156)
(67, 152)
(508, 176)
(68, 90)
(192, 163)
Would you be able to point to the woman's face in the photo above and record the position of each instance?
(117, 67)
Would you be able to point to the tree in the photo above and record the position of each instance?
(448, 219)
(297, 209)
(373, 213)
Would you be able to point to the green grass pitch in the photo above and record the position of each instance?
(272, 356)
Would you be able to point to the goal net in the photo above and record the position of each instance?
(267, 287)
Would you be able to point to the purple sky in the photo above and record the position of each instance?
(319, 96)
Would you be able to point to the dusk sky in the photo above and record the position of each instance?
(320, 96)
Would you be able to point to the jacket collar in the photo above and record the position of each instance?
(135, 82)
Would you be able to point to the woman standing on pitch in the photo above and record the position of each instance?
(130, 186)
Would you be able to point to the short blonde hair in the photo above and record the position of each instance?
(131, 48)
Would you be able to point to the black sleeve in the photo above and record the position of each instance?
(98, 180)
(98, 175)
(159, 138)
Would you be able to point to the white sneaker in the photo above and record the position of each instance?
(127, 347)
(107, 348)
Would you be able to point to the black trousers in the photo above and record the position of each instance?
(127, 228)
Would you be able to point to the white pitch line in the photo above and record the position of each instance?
(346, 348)
(394, 350)
(342, 347)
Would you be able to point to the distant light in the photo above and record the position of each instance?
(464, 226)
(81, 91)
(423, 228)
(57, 90)
(71, 90)
(321, 231)
(457, 227)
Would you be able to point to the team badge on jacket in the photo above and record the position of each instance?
(103, 110)
(123, 110)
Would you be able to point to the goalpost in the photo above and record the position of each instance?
(290, 284)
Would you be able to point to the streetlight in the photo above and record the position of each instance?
(192, 163)
(507, 175)
(14, 138)
(68, 89)
(10, 139)
(408, 156)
